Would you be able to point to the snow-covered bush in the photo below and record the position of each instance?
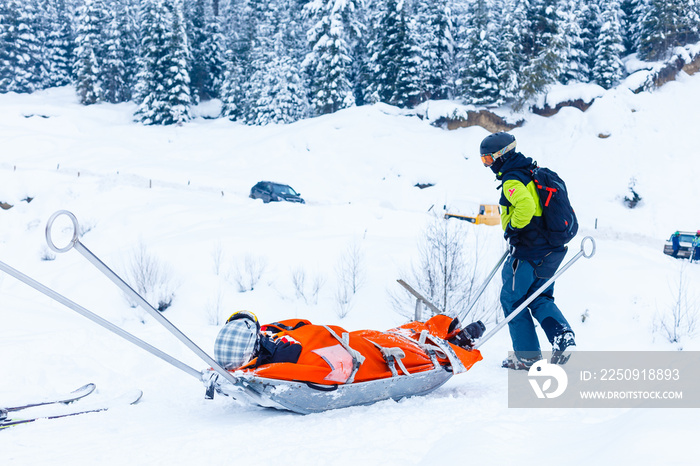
(151, 278)
(308, 292)
(350, 274)
(444, 273)
(247, 272)
(680, 318)
(633, 200)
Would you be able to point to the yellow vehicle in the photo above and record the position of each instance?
(489, 214)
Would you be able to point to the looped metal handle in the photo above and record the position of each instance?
(49, 226)
(583, 247)
(102, 267)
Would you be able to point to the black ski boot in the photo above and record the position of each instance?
(562, 347)
(519, 364)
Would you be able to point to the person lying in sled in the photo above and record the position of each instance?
(296, 349)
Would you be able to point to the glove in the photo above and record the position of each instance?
(468, 335)
(276, 350)
(511, 234)
(286, 352)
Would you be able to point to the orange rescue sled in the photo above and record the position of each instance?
(338, 369)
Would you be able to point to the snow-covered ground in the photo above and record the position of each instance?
(181, 194)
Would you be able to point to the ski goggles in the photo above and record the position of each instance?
(488, 159)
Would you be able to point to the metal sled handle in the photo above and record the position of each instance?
(49, 225)
(102, 267)
(540, 290)
(464, 314)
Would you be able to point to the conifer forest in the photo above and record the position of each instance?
(278, 61)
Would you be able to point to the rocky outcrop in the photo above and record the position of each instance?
(549, 111)
(484, 118)
(669, 72)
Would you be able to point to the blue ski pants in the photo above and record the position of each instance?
(521, 279)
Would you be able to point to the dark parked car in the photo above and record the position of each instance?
(269, 191)
(685, 244)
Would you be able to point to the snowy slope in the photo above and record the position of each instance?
(181, 193)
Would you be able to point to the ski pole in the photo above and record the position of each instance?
(540, 290)
(464, 314)
(102, 267)
(98, 320)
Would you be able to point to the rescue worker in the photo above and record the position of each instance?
(675, 243)
(325, 354)
(532, 260)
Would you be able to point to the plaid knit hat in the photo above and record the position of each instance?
(237, 342)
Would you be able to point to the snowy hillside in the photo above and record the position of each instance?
(181, 194)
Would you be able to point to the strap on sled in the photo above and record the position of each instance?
(444, 348)
(392, 357)
(431, 350)
(357, 357)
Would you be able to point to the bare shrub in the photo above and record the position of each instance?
(298, 280)
(218, 256)
(445, 273)
(150, 278)
(247, 272)
(350, 276)
(214, 308)
(680, 318)
(343, 301)
(308, 293)
(305, 290)
(47, 254)
(316, 285)
(350, 269)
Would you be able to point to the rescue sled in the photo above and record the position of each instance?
(347, 387)
(357, 368)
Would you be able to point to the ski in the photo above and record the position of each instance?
(75, 395)
(129, 398)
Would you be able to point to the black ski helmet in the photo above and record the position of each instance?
(496, 145)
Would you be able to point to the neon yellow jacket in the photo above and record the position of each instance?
(524, 204)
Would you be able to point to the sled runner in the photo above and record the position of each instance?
(306, 397)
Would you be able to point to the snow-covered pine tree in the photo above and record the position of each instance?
(130, 41)
(60, 41)
(239, 23)
(590, 17)
(276, 92)
(666, 24)
(479, 76)
(207, 50)
(22, 67)
(117, 71)
(331, 40)
(163, 86)
(177, 78)
(509, 45)
(395, 58)
(608, 68)
(630, 24)
(366, 17)
(544, 48)
(437, 45)
(89, 51)
(576, 67)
